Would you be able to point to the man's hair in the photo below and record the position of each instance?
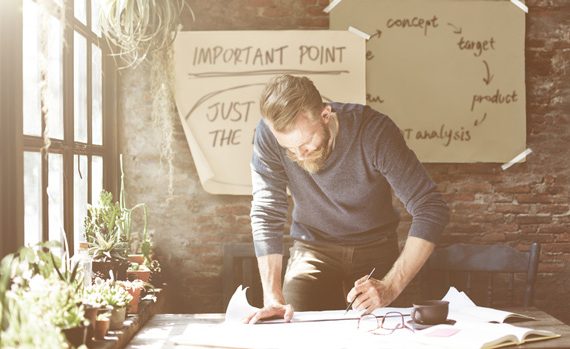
(285, 96)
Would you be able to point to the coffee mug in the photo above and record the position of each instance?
(430, 312)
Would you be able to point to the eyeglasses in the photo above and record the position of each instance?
(381, 326)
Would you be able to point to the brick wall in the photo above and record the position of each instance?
(528, 202)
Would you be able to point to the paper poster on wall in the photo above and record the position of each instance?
(451, 74)
(220, 76)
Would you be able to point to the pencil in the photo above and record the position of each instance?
(351, 303)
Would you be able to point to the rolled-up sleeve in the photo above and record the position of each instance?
(269, 183)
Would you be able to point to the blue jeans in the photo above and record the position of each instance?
(319, 277)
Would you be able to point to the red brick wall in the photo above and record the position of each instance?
(528, 202)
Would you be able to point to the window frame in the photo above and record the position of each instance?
(13, 143)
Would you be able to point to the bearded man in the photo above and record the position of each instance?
(341, 163)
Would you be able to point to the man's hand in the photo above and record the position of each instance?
(275, 310)
(371, 294)
(374, 293)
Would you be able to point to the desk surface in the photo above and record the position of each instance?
(156, 332)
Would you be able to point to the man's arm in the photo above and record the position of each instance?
(270, 267)
(380, 293)
(268, 217)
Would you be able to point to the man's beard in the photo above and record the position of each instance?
(316, 160)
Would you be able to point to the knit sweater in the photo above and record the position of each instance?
(348, 201)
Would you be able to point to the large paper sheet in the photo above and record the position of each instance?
(238, 308)
(220, 76)
(450, 73)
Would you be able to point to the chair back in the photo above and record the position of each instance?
(488, 269)
(240, 268)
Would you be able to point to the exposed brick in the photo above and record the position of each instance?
(276, 12)
(458, 197)
(563, 237)
(553, 209)
(510, 208)
(533, 219)
(313, 23)
(556, 247)
(534, 198)
(260, 3)
(551, 267)
(316, 11)
(525, 188)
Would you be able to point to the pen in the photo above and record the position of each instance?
(351, 303)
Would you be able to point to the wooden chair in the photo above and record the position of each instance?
(487, 273)
(240, 268)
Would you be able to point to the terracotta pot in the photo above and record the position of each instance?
(101, 328)
(134, 303)
(136, 258)
(143, 275)
(76, 336)
(118, 316)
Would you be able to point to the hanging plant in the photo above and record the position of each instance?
(144, 31)
(136, 28)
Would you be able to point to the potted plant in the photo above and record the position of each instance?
(37, 295)
(102, 324)
(112, 293)
(107, 243)
(138, 272)
(135, 289)
(140, 247)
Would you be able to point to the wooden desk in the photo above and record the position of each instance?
(156, 332)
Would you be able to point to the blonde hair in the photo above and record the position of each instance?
(285, 96)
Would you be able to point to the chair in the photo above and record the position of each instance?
(240, 268)
(474, 266)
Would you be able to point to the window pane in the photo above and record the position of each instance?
(55, 196)
(54, 97)
(80, 87)
(32, 198)
(97, 99)
(79, 10)
(30, 53)
(79, 197)
(95, 17)
(42, 47)
(97, 179)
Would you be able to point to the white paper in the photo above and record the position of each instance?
(239, 307)
(462, 308)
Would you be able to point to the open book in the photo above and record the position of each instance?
(480, 335)
(461, 308)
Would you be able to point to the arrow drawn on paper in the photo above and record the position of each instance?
(456, 30)
(489, 77)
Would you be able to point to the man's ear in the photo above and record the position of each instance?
(326, 113)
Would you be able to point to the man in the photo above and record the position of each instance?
(340, 163)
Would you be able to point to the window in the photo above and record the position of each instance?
(57, 116)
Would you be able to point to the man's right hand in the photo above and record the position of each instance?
(274, 310)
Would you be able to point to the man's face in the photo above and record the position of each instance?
(308, 142)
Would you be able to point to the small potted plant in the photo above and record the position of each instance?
(112, 294)
(107, 243)
(134, 288)
(102, 324)
(138, 272)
